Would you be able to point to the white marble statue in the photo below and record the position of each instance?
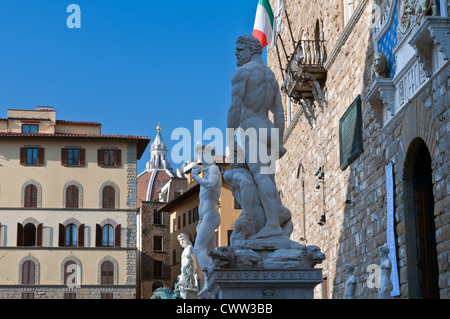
(386, 286)
(255, 92)
(350, 284)
(188, 280)
(424, 8)
(209, 217)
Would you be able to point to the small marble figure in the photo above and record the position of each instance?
(209, 216)
(350, 284)
(386, 286)
(187, 282)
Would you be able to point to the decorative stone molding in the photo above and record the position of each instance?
(109, 221)
(80, 193)
(382, 94)
(248, 283)
(39, 192)
(117, 194)
(37, 269)
(116, 269)
(433, 31)
(72, 220)
(346, 33)
(31, 220)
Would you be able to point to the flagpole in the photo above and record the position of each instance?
(279, 61)
(284, 48)
(290, 30)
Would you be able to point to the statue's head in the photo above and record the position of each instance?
(246, 47)
(206, 153)
(184, 240)
(383, 250)
(349, 268)
(380, 63)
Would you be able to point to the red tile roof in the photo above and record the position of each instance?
(142, 141)
(77, 122)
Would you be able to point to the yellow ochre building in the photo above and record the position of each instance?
(67, 208)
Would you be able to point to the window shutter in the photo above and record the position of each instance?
(64, 156)
(61, 235)
(19, 234)
(23, 156)
(82, 157)
(81, 236)
(100, 157)
(118, 158)
(41, 152)
(117, 234)
(109, 197)
(39, 235)
(98, 235)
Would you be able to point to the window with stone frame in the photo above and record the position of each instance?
(28, 273)
(157, 217)
(157, 243)
(108, 197)
(72, 196)
(107, 273)
(73, 156)
(30, 196)
(32, 156)
(109, 157)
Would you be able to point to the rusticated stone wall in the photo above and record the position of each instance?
(353, 200)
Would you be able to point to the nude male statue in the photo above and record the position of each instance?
(189, 276)
(209, 217)
(255, 92)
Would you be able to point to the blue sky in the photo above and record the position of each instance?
(132, 64)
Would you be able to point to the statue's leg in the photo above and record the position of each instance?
(268, 195)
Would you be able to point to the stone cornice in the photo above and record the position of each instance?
(346, 33)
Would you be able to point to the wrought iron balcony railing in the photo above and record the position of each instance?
(305, 72)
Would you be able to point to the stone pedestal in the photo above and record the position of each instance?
(262, 283)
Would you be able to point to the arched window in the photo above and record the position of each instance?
(108, 236)
(108, 197)
(71, 235)
(28, 273)
(29, 235)
(72, 196)
(30, 196)
(107, 273)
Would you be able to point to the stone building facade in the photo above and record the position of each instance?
(156, 186)
(67, 208)
(401, 120)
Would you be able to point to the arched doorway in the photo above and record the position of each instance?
(423, 272)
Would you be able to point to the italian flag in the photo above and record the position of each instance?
(263, 27)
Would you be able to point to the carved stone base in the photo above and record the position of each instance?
(267, 283)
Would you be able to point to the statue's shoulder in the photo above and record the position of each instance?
(240, 73)
(214, 169)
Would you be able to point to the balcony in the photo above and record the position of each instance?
(305, 72)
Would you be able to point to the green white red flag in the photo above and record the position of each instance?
(263, 27)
